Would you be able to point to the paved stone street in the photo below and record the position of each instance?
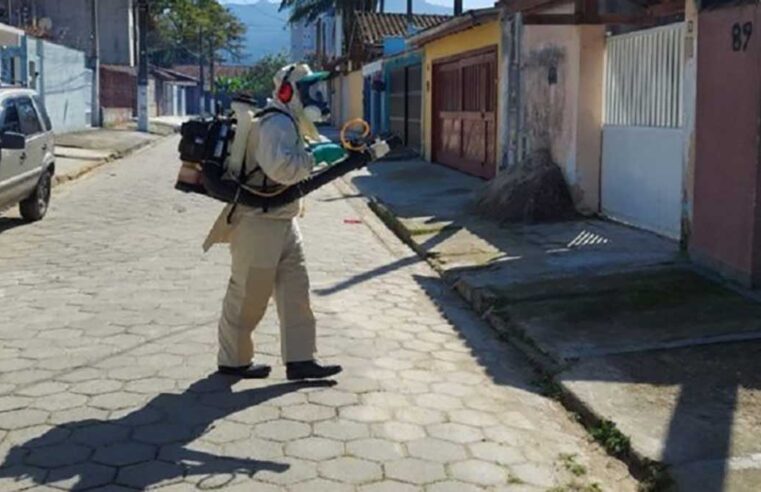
(108, 338)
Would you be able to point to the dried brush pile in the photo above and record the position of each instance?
(530, 192)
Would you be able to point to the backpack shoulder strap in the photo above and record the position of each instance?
(272, 110)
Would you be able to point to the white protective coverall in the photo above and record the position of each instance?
(267, 252)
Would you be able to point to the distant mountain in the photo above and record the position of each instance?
(418, 6)
(268, 31)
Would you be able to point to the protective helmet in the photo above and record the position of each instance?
(302, 91)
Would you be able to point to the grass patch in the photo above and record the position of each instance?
(612, 439)
(574, 467)
(425, 231)
(512, 479)
(658, 479)
(574, 486)
(549, 387)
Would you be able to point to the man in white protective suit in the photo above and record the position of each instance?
(266, 245)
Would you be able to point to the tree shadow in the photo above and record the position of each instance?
(147, 446)
(385, 269)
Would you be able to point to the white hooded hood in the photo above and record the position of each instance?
(295, 107)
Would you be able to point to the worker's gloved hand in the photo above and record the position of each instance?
(328, 153)
(379, 149)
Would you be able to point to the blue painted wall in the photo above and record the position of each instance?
(64, 83)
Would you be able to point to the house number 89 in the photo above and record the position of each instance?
(741, 36)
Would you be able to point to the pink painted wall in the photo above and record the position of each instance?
(726, 228)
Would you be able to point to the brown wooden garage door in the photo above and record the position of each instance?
(464, 112)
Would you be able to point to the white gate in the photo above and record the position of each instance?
(642, 135)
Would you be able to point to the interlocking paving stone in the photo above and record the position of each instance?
(416, 471)
(314, 448)
(437, 450)
(106, 379)
(479, 472)
(351, 470)
(380, 450)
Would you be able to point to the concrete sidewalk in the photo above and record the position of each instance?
(81, 152)
(630, 333)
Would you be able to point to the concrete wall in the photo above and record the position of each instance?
(562, 101)
(488, 34)
(114, 116)
(689, 114)
(64, 82)
(72, 27)
(726, 228)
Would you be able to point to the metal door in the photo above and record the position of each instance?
(414, 116)
(464, 112)
(36, 136)
(14, 180)
(397, 106)
(642, 136)
(405, 104)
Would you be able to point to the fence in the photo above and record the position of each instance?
(643, 85)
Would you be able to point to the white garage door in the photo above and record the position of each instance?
(642, 136)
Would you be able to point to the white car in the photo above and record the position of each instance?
(27, 162)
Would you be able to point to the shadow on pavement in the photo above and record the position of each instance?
(147, 446)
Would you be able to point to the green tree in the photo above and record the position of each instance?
(257, 81)
(182, 31)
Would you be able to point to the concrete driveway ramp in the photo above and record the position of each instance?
(696, 409)
(671, 357)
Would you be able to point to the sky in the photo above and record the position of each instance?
(467, 4)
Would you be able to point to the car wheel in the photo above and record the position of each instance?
(35, 207)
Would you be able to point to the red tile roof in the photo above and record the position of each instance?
(374, 26)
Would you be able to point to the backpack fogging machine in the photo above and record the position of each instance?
(208, 153)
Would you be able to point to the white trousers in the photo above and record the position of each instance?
(267, 258)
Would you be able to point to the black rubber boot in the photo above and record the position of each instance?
(251, 371)
(310, 370)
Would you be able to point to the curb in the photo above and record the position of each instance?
(60, 179)
(651, 474)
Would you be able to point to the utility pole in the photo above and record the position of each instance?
(95, 116)
(212, 79)
(142, 74)
(382, 6)
(457, 7)
(202, 98)
(410, 25)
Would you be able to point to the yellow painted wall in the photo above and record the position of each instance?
(353, 86)
(346, 100)
(488, 34)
